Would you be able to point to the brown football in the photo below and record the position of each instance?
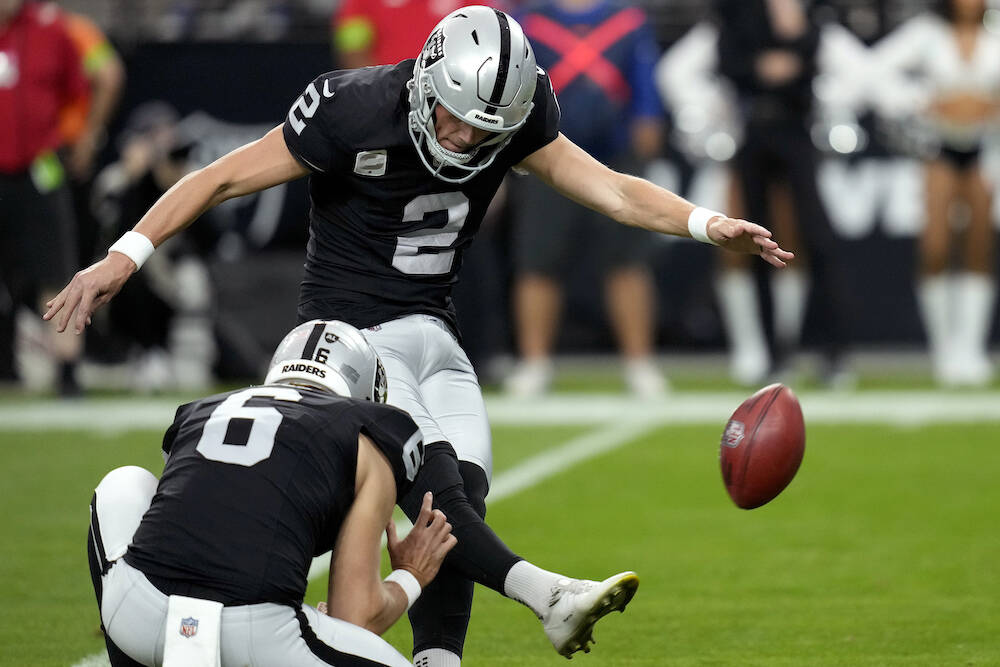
(762, 446)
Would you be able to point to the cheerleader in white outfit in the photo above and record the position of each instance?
(945, 66)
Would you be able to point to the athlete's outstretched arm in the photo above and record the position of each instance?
(639, 203)
(255, 166)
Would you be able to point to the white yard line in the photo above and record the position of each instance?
(892, 407)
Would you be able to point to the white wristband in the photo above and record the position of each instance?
(698, 224)
(135, 246)
(408, 583)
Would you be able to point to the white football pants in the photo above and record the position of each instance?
(134, 612)
(430, 377)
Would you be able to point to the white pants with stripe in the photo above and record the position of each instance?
(134, 612)
(430, 377)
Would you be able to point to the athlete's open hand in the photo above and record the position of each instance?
(89, 289)
(743, 236)
(422, 551)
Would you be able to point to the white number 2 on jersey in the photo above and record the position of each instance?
(307, 104)
(423, 252)
(264, 424)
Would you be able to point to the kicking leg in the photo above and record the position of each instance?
(431, 378)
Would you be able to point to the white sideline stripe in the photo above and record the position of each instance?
(510, 482)
(892, 407)
(96, 660)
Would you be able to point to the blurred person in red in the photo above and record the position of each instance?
(383, 32)
(84, 122)
(941, 71)
(40, 74)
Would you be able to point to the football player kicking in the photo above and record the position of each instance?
(209, 565)
(403, 160)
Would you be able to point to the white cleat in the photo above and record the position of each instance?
(577, 604)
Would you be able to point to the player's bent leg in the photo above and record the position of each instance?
(134, 615)
(440, 616)
(279, 636)
(116, 509)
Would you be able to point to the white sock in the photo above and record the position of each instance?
(436, 657)
(789, 296)
(740, 310)
(975, 293)
(934, 297)
(531, 586)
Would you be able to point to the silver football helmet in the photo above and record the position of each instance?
(478, 65)
(329, 355)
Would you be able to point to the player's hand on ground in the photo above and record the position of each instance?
(743, 236)
(89, 289)
(422, 551)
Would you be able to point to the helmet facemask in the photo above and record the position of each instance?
(478, 66)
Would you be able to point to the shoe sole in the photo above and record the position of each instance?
(615, 599)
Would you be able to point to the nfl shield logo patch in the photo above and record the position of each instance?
(189, 627)
(733, 435)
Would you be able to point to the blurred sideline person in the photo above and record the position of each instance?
(40, 74)
(956, 95)
(611, 109)
(403, 161)
(384, 32)
(165, 317)
(768, 51)
(83, 140)
(308, 462)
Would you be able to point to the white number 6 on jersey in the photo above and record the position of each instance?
(264, 424)
(413, 455)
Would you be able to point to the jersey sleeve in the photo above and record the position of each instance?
(398, 438)
(171, 435)
(311, 124)
(542, 126)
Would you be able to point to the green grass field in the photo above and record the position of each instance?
(885, 550)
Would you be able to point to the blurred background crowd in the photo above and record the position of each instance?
(863, 132)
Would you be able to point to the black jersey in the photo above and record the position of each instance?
(257, 483)
(386, 237)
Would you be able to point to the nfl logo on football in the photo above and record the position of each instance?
(733, 434)
(189, 627)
